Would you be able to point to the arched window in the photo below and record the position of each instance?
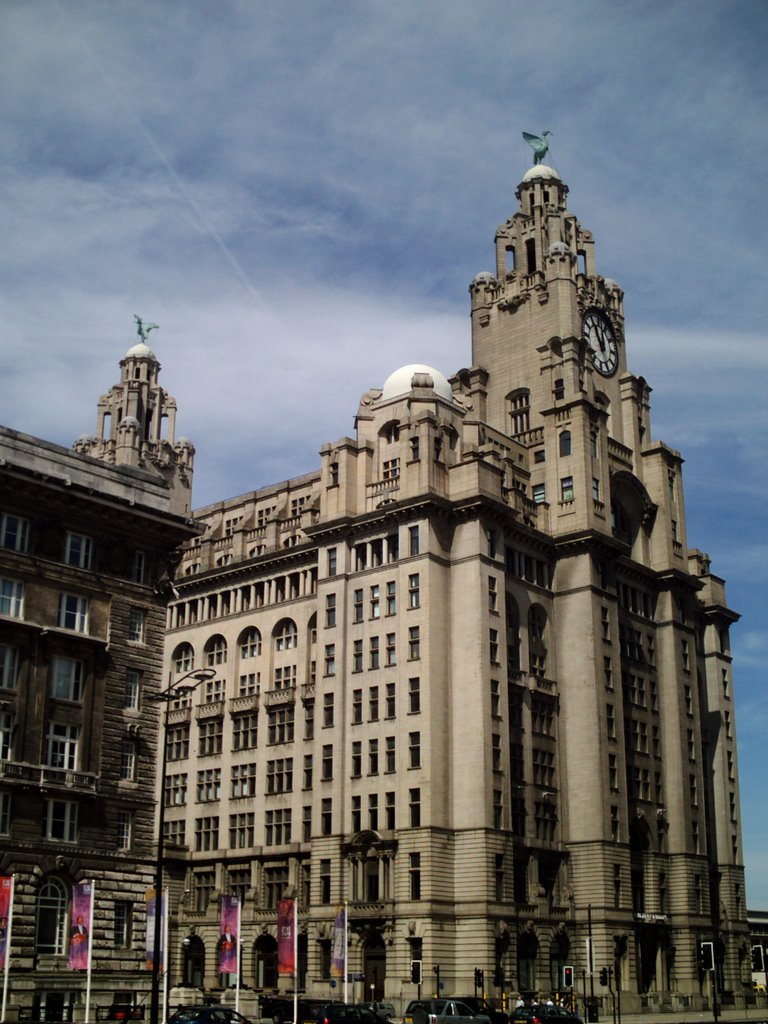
(184, 658)
(390, 432)
(565, 442)
(216, 650)
(519, 409)
(52, 906)
(286, 635)
(250, 643)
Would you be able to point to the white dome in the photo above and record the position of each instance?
(401, 381)
(541, 171)
(140, 351)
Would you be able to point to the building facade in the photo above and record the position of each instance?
(470, 676)
(87, 554)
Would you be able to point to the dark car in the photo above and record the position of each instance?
(479, 1005)
(349, 1013)
(442, 1011)
(207, 1015)
(280, 1009)
(544, 1015)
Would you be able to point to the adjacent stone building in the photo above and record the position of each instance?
(471, 677)
(87, 554)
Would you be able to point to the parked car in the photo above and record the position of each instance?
(280, 1009)
(479, 1005)
(207, 1015)
(544, 1015)
(384, 1010)
(349, 1013)
(442, 1011)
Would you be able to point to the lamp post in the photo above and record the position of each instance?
(175, 689)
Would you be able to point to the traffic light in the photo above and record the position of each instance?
(603, 975)
(567, 977)
(758, 958)
(478, 978)
(416, 972)
(707, 956)
(498, 977)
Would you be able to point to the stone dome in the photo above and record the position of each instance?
(541, 171)
(483, 277)
(401, 381)
(140, 351)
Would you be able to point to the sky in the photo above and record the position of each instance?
(299, 193)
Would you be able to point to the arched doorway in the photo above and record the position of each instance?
(374, 968)
(194, 961)
(265, 962)
(527, 949)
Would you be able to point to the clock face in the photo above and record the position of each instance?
(599, 334)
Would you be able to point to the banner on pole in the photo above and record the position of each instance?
(6, 910)
(151, 906)
(339, 944)
(79, 936)
(230, 929)
(286, 925)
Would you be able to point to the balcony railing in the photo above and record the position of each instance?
(287, 695)
(42, 775)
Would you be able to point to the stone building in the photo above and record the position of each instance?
(470, 676)
(87, 554)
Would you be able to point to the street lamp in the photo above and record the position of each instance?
(174, 691)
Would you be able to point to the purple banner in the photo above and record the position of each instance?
(6, 911)
(230, 934)
(150, 901)
(339, 943)
(79, 934)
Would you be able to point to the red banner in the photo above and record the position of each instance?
(79, 932)
(286, 936)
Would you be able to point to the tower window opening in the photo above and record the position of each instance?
(582, 258)
(530, 255)
(510, 258)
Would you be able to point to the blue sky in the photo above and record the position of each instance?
(300, 192)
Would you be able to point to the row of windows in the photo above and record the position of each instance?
(61, 747)
(67, 678)
(72, 610)
(60, 821)
(278, 823)
(53, 917)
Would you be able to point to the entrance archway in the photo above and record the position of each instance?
(194, 961)
(374, 968)
(265, 962)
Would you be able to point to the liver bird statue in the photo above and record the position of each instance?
(143, 329)
(538, 144)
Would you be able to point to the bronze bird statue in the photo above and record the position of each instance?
(538, 144)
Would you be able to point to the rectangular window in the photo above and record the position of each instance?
(414, 695)
(325, 881)
(211, 734)
(73, 612)
(326, 817)
(138, 566)
(373, 661)
(308, 771)
(178, 742)
(132, 690)
(375, 609)
(389, 810)
(136, 620)
(493, 594)
(327, 763)
(280, 775)
(414, 807)
(330, 659)
(60, 820)
(330, 610)
(309, 720)
(357, 656)
(414, 875)
(566, 488)
(332, 562)
(357, 813)
(539, 493)
(595, 488)
(77, 550)
(357, 759)
(175, 790)
(175, 833)
(124, 830)
(373, 757)
(128, 760)
(14, 532)
(357, 707)
(389, 757)
(389, 701)
(391, 469)
(61, 746)
(413, 540)
(12, 598)
(208, 785)
(123, 924)
(242, 829)
(328, 710)
(414, 598)
(206, 834)
(6, 735)
(373, 704)
(306, 823)
(357, 606)
(414, 750)
(391, 598)
(373, 811)
(9, 667)
(244, 731)
(493, 646)
(67, 679)
(414, 643)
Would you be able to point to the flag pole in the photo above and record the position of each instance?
(346, 950)
(90, 955)
(165, 907)
(238, 947)
(295, 960)
(7, 950)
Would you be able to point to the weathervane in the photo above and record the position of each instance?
(538, 144)
(143, 329)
